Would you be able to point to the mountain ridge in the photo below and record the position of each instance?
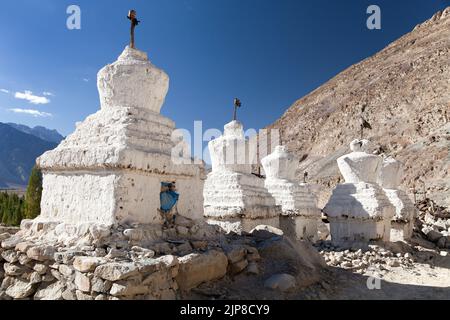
(40, 132)
(18, 153)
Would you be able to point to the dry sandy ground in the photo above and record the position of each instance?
(422, 281)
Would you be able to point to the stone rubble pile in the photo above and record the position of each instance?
(433, 223)
(361, 259)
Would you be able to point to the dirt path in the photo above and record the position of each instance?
(393, 272)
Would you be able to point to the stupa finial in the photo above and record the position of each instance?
(134, 22)
(237, 104)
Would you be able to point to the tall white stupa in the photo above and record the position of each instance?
(110, 170)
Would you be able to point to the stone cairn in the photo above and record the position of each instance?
(390, 178)
(359, 210)
(300, 214)
(433, 223)
(235, 199)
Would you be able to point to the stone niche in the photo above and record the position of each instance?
(109, 171)
(390, 178)
(234, 198)
(359, 210)
(300, 214)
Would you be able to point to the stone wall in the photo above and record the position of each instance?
(102, 263)
(44, 261)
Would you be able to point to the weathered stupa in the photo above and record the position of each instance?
(110, 170)
(390, 178)
(300, 214)
(234, 198)
(358, 209)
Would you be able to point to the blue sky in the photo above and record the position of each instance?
(267, 53)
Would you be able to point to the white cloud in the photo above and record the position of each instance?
(85, 79)
(4, 90)
(48, 94)
(28, 95)
(32, 112)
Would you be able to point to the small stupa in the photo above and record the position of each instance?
(359, 210)
(234, 198)
(300, 214)
(390, 178)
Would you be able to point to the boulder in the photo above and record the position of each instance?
(149, 265)
(69, 295)
(41, 253)
(52, 292)
(83, 296)
(115, 271)
(82, 282)
(23, 246)
(236, 254)
(184, 249)
(198, 268)
(13, 270)
(11, 256)
(169, 261)
(87, 264)
(282, 282)
(23, 259)
(67, 257)
(35, 278)
(160, 280)
(252, 268)
(127, 289)
(99, 285)
(11, 243)
(65, 270)
(20, 289)
(239, 266)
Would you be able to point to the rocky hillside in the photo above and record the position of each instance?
(407, 89)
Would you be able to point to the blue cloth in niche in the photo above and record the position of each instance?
(168, 198)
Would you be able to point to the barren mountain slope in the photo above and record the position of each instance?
(407, 87)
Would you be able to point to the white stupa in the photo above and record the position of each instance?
(111, 168)
(300, 214)
(358, 209)
(390, 178)
(235, 199)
